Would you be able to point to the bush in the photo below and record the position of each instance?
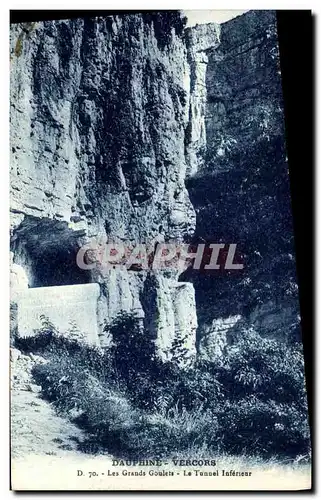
(263, 367)
(58, 348)
(111, 420)
(134, 406)
(253, 426)
(133, 351)
(264, 408)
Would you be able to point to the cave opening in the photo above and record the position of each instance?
(46, 250)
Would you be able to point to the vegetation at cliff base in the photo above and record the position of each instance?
(133, 405)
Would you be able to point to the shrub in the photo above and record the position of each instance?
(266, 368)
(49, 343)
(264, 409)
(74, 333)
(112, 422)
(266, 428)
(133, 351)
(132, 405)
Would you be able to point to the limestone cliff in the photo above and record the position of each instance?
(99, 110)
(241, 189)
(202, 40)
(134, 129)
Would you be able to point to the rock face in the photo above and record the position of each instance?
(241, 189)
(202, 41)
(123, 129)
(244, 99)
(99, 112)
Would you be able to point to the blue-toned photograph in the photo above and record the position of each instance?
(155, 326)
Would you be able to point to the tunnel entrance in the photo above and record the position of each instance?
(46, 249)
(48, 283)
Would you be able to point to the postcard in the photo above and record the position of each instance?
(155, 337)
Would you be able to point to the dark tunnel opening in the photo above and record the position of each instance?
(47, 251)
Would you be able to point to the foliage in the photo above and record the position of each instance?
(132, 405)
(267, 428)
(179, 351)
(252, 207)
(133, 351)
(264, 407)
(49, 343)
(265, 367)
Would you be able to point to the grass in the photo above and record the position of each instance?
(163, 411)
